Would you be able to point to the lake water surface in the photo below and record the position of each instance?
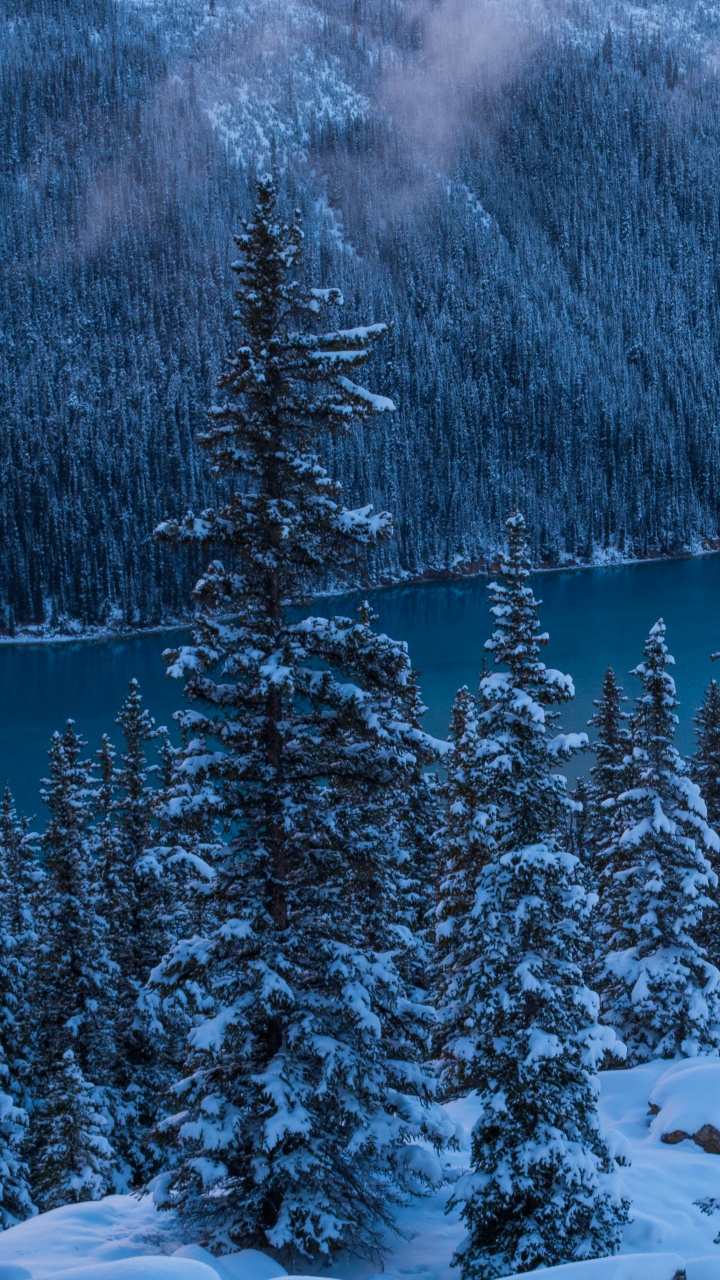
(594, 617)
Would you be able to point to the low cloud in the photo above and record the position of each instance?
(465, 47)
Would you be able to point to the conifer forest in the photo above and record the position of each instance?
(296, 301)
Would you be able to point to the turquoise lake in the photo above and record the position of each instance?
(594, 617)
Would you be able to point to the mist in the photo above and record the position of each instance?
(467, 47)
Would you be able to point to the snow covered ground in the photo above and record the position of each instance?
(123, 1238)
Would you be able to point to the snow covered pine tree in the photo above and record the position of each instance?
(304, 1087)
(75, 1161)
(16, 937)
(74, 979)
(658, 986)
(611, 749)
(134, 901)
(516, 1021)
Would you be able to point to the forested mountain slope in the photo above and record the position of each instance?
(536, 208)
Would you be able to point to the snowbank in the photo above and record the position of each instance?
(123, 1238)
(142, 1268)
(641, 1266)
(687, 1098)
(118, 1238)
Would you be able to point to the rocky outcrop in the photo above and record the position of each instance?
(707, 1137)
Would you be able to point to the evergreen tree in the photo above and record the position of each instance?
(19, 856)
(659, 988)
(611, 747)
(705, 763)
(303, 1085)
(74, 1160)
(135, 812)
(612, 755)
(16, 1201)
(16, 1017)
(20, 885)
(517, 1023)
(137, 905)
(132, 889)
(74, 970)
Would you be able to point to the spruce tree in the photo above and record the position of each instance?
(658, 987)
(19, 856)
(74, 987)
(16, 1014)
(303, 1085)
(517, 1023)
(73, 966)
(20, 886)
(16, 1202)
(132, 888)
(705, 763)
(611, 748)
(74, 1160)
(135, 810)
(137, 905)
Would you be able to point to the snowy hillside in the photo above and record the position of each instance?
(123, 1238)
(463, 171)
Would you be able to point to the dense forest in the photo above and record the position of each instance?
(250, 988)
(542, 227)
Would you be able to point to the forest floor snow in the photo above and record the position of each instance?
(126, 1238)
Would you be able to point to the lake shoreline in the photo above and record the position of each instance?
(469, 571)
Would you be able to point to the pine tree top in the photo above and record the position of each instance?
(517, 638)
(285, 386)
(653, 721)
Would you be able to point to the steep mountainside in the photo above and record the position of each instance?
(533, 202)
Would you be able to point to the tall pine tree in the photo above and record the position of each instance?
(16, 1014)
(137, 908)
(74, 979)
(611, 749)
(304, 1085)
(19, 855)
(517, 1023)
(74, 1160)
(658, 986)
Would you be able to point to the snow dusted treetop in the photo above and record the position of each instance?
(517, 1023)
(611, 749)
(660, 989)
(515, 705)
(613, 738)
(284, 387)
(304, 1087)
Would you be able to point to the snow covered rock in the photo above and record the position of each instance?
(685, 1104)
